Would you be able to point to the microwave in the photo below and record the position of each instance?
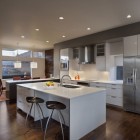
(64, 65)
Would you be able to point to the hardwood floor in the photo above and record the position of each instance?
(120, 125)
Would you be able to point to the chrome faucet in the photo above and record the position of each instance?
(61, 81)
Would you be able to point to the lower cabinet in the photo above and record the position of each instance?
(114, 92)
(21, 100)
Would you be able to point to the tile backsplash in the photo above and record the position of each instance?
(88, 71)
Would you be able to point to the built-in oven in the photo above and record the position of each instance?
(64, 65)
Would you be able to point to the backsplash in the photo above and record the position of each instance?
(89, 72)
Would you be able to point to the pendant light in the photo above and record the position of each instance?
(17, 64)
(33, 64)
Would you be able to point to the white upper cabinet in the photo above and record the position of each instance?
(103, 57)
(131, 45)
(138, 44)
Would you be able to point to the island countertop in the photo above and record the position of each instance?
(61, 91)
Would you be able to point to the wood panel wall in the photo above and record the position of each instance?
(49, 66)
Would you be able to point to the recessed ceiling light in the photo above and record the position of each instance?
(61, 18)
(63, 36)
(22, 36)
(128, 16)
(47, 41)
(37, 29)
(88, 28)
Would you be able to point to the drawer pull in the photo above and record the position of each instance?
(113, 96)
(113, 84)
(113, 88)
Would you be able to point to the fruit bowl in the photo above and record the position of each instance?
(49, 84)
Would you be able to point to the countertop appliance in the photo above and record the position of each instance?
(131, 86)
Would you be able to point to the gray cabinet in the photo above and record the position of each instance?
(131, 45)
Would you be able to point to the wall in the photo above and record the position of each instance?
(89, 71)
(36, 72)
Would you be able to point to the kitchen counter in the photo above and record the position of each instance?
(11, 86)
(29, 80)
(85, 106)
(100, 81)
(62, 91)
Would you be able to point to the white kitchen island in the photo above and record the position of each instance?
(85, 106)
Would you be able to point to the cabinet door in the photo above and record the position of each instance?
(130, 45)
(138, 44)
(101, 63)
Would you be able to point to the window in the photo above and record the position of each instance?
(39, 54)
(8, 70)
(21, 53)
(9, 52)
(24, 53)
(119, 73)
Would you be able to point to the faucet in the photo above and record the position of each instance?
(61, 81)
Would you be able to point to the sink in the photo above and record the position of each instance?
(70, 86)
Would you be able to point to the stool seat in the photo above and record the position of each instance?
(34, 100)
(58, 106)
(55, 105)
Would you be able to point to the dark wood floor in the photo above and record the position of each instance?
(120, 125)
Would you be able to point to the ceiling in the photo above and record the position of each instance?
(22, 17)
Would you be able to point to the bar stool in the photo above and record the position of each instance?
(54, 105)
(37, 101)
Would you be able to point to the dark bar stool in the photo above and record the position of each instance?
(54, 105)
(37, 101)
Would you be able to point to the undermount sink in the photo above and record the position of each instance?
(70, 86)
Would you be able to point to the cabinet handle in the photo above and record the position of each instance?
(113, 88)
(113, 96)
(97, 86)
(113, 84)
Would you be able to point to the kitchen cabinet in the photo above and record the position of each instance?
(21, 100)
(103, 57)
(131, 46)
(114, 92)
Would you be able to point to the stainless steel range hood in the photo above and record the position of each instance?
(86, 55)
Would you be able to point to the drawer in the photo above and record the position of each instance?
(118, 101)
(114, 85)
(114, 92)
(97, 84)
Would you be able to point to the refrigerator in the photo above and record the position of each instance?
(131, 86)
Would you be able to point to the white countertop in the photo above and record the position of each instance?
(30, 80)
(101, 81)
(57, 90)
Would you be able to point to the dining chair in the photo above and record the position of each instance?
(2, 88)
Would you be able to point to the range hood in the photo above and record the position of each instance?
(86, 55)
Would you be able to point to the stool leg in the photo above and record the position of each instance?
(28, 114)
(58, 112)
(48, 123)
(39, 115)
(41, 111)
(62, 117)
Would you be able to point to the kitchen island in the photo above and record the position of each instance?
(11, 88)
(85, 106)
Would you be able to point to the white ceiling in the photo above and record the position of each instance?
(21, 17)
